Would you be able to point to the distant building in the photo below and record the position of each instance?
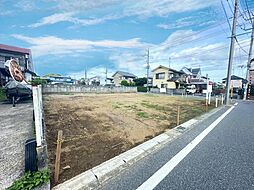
(23, 57)
(119, 76)
(194, 77)
(109, 81)
(164, 77)
(150, 81)
(94, 81)
(192, 73)
(59, 80)
(236, 82)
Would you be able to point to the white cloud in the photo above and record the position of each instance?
(130, 61)
(52, 19)
(211, 56)
(26, 5)
(142, 8)
(69, 17)
(186, 22)
(148, 8)
(84, 5)
(51, 45)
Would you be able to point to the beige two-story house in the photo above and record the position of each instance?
(164, 77)
(119, 76)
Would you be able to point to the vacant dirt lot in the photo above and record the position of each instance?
(97, 127)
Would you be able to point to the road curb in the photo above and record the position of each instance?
(99, 174)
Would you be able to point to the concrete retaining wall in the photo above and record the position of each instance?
(47, 89)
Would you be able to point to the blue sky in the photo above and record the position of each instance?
(68, 36)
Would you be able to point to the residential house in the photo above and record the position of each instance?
(150, 81)
(164, 77)
(109, 81)
(23, 57)
(94, 81)
(237, 83)
(194, 77)
(119, 76)
(192, 73)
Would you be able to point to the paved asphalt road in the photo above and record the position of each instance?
(224, 159)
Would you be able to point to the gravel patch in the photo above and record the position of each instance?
(16, 127)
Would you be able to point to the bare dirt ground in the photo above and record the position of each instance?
(97, 127)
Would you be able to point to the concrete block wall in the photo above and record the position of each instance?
(47, 89)
(169, 91)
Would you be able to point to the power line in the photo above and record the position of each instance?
(204, 51)
(225, 12)
(182, 39)
(230, 7)
(250, 17)
(210, 50)
(205, 59)
(240, 46)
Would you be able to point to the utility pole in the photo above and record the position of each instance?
(249, 62)
(231, 54)
(106, 73)
(207, 96)
(147, 69)
(169, 62)
(85, 73)
(86, 80)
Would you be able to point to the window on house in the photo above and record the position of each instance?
(160, 76)
(7, 58)
(164, 85)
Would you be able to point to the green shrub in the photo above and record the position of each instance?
(30, 180)
(142, 89)
(125, 83)
(2, 94)
(142, 114)
(38, 81)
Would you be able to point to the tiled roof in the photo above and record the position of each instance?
(234, 77)
(15, 49)
(194, 71)
(126, 74)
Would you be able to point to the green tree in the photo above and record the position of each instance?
(125, 83)
(37, 81)
(140, 81)
(52, 75)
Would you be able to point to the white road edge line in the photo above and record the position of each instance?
(236, 104)
(158, 176)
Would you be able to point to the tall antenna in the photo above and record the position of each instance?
(85, 73)
(169, 62)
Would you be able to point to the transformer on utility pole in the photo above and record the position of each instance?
(231, 54)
